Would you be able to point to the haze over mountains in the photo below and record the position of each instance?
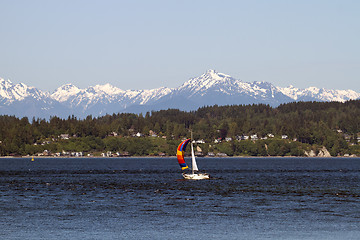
(208, 89)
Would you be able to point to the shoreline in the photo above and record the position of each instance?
(150, 157)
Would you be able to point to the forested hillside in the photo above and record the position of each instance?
(250, 130)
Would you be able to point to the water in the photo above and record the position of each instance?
(145, 198)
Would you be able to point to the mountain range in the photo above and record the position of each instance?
(208, 89)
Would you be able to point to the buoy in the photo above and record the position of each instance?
(32, 159)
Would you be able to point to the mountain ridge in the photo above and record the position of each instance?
(210, 88)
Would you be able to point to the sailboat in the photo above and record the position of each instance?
(194, 175)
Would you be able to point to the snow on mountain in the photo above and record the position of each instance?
(318, 94)
(101, 99)
(108, 92)
(24, 101)
(222, 83)
(64, 92)
(208, 80)
(147, 96)
(16, 92)
(290, 91)
(105, 92)
(212, 82)
(218, 88)
(69, 91)
(108, 89)
(81, 100)
(208, 89)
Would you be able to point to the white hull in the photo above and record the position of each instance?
(196, 176)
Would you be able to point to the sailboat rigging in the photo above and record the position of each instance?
(194, 175)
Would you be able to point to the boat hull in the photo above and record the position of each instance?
(196, 176)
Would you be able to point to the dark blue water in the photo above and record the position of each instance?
(117, 198)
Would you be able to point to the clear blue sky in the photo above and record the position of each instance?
(149, 44)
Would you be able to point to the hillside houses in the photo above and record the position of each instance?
(252, 137)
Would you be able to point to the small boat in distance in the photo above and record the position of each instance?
(194, 175)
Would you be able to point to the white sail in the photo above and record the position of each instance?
(194, 176)
(193, 161)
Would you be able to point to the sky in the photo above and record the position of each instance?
(149, 44)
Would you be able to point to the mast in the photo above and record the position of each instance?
(193, 161)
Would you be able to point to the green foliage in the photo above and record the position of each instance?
(312, 124)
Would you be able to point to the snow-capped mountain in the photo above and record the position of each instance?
(21, 100)
(219, 88)
(102, 99)
(319, 94)
(10, 92)
(63, 93)
(208, 89)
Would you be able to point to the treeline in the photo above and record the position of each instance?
(307, 125)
